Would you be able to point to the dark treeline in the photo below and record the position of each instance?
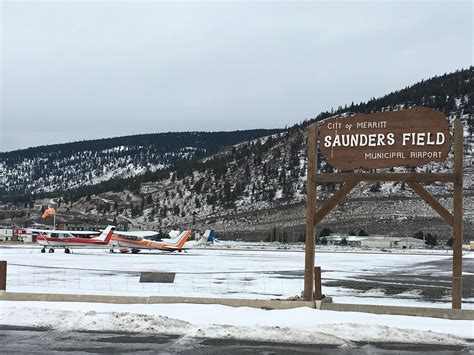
(439, 92)
(159, 142)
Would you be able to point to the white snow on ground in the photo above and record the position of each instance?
(253, 274)
(299, 325)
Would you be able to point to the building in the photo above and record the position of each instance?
(16, 233)
(378, 242)
(352, 240)
(385, 242)
(6, 234)
(409, 243)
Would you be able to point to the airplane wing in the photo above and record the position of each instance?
(84, 232)
(34, 230)
(143, 234)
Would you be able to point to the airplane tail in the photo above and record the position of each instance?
(183, 237)
(210, 235)
(106, 234)
(173, 234)
(207, 237)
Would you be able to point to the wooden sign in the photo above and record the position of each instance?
(410, 138)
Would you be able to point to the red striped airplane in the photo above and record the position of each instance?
(131, 241)
(65, 239)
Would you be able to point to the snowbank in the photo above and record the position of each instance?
(300, 325)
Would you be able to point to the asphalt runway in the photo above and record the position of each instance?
(431, 279)
(25, 340)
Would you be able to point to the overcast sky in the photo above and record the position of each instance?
(90, 69)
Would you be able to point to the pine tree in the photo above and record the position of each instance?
(325, 232)
(431, 240)
(149, 200)
(450, 242)
(176, 210)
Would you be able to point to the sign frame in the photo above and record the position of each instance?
(351, 179)
(410, 138)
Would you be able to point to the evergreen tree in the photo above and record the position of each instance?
(418, 235)
(164, 211)
(149, 200)
(450, 242)
(227, 192)
(375, 187)
(325, 232)
(431, 240)
(176, 210)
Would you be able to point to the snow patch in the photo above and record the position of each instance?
(298, 325)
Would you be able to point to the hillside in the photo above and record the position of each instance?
(115, 162)
(256, 188)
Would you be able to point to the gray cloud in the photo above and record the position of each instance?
(79, 70)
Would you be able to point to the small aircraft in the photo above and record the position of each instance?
(135, 241)
(82, 234)
(205, 239)
(65, 239)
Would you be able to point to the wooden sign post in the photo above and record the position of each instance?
(310, 211)
(408, 138)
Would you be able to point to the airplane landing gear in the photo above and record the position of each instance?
(112, 250)
(43, 250)
(135, 250)
(51, 250)
(67, 251)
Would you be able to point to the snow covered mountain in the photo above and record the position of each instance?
(60, 167)
(254, 185)
(268, 175)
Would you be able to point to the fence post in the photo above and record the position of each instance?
(318, 295)
(3, 276)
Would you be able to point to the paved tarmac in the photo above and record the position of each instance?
(431, 279)
(28, 340)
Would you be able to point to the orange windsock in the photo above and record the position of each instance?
(48, 212)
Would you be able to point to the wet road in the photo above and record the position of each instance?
(23, 340)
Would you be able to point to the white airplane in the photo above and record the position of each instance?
(83, 234)
(206, 239)
(90, 234)
(65, 239)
